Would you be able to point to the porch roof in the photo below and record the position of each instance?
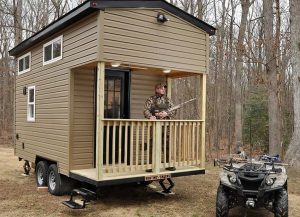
(91, 6)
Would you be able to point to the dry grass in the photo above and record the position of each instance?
(195, 197)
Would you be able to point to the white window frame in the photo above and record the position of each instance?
(23, 57)
(56, 58)
(31, 119)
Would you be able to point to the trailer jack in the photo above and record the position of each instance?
(167, 190)
(26, 167)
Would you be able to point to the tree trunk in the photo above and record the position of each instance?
(273, 100)
(239, 71)
(17, 18)
(200, 9)
(17, 8)
(293, 153)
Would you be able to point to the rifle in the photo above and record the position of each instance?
(172, 108)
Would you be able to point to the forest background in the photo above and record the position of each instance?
(253, 79)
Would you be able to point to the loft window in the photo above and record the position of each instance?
(24, 63)
(31, 104)
(53, 50)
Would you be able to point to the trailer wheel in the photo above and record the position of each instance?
(59, 184)
(54, 181)
(222, 209)
(281, 204)
(41, 173)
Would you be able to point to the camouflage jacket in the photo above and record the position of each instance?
(161, 103)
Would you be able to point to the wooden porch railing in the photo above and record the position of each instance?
(134, 146)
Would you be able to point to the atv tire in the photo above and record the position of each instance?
(222, 209)
(281, 204)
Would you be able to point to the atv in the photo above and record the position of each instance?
(253, 184)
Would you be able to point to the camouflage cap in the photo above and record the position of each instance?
(160, 85)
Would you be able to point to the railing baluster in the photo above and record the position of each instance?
(180, 146)
(120, 146)
(107, 147)
(184, 143)
(131, 145)
(165, 144)
(153, 145)
(193, 143)
(175, 142)
(197, 145)
(137, 145)
(158, 146)
(125, 145)
(143, 146)
(148, 144)
(170, 143)
(114, 147)
(188, 144)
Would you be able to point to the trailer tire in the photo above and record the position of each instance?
(41, 173)
(281, 204)
(55, 185)
(222, 208)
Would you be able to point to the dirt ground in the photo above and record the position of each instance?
(194, 197)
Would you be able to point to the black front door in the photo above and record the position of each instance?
(116, 106)
(116, 94)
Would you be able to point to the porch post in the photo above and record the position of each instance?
(202, 117)
(157, 148)
(100, 117)
(169, 87)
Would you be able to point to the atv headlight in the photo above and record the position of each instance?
(232, 178)
(270, 181)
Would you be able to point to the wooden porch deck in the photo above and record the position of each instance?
(92, 173)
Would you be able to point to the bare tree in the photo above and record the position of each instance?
(293, 153)
(273, 101)
(240, 49)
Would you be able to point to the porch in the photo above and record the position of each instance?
(129, 148)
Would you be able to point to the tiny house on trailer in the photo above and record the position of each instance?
(81, 85)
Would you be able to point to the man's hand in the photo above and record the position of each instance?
(163, 114)
(152, 118)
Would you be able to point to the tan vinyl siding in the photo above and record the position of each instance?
(82, 147)
(142, 87)
(133, 36)
(48, 136)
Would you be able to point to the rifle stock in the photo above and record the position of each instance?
(154, 111)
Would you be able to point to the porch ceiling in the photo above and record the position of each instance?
(144, 69)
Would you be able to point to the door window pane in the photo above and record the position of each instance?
(105, 84)
(118, 85)
(111, 85)
(112, 98)
(116, 105)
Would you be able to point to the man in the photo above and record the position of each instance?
(156, 107)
